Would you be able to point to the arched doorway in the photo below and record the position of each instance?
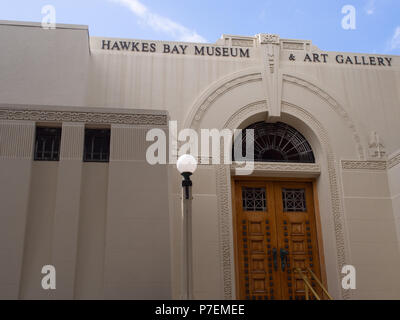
(227, 104)
(275, 219)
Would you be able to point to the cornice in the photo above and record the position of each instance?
(99, 117)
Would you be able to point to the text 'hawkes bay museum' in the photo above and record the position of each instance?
(153, 47)
(78, 193)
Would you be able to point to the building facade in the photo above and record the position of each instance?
(77, 191)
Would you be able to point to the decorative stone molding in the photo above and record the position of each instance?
(266, 38)
(271, 74)
(376, 146)
(335, 106)
(225, 231)
(244, 113)
(394, 161)
(86, 117)
(364, 165)
(309, 168)
(253, 77)
(209, 99)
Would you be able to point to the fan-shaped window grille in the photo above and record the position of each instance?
(276, 142)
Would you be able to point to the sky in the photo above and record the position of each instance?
(375, 29)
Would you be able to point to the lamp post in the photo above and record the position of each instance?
(187, 165)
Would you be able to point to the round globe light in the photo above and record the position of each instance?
(186, 163)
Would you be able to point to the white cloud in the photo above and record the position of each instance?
(159, 23)
(395, 42)
(370, 7)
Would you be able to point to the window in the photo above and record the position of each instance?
(47, 144)
(97, 145)
(254, 199)
(294, 200)
(276, 142)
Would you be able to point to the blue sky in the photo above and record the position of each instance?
(377, 21)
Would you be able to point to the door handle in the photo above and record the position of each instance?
(284, 261)
(275, 255)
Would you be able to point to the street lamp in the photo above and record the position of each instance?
(187, 165)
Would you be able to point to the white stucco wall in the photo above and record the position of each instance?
(43, 67)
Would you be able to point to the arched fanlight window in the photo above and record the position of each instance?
(276, 142)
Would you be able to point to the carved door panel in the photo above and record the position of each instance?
(297, 236)
(257, 238)
(276, 232)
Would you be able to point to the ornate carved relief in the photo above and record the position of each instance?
(265, 38)
(376, 146)
(364, 165)
(272, 78)
(87, 117)
(311, 168)
(225, 230)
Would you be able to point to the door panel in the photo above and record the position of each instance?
(276, 232)
(295, 217)
(257, 237)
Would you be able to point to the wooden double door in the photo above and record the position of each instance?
(275, 234)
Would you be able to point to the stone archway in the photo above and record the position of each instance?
(224, 191)
(223, 86)
(326, 159)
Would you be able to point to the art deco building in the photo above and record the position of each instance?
(77, 192)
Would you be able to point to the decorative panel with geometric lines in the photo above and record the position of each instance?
(254, 199)
(294, 200)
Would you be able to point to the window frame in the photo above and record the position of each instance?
(275, 142)
(93, 134)
(55, 138)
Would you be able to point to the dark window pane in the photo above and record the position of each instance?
(47, 144)
(97, 145)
